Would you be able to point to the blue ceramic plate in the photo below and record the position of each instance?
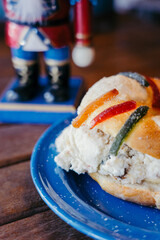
(80, 202)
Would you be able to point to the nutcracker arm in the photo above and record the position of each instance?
(83, 54)
(82, 16)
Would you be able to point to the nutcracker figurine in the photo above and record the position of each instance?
(43, 26)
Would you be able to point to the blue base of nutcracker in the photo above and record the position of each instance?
(37, 110)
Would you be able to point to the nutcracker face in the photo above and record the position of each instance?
(49, 7)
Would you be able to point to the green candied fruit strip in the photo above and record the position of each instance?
(127, 127)
(136, 76)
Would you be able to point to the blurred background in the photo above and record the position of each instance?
(149, 8)
(1, 11)
(126, 35)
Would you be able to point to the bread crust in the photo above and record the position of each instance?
(145, 137)
(130, 192)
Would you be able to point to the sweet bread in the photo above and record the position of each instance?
(115, 137)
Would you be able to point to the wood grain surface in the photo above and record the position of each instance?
(44, 225)
(18, 142)
(131, 44)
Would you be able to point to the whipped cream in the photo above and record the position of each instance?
(86, 150)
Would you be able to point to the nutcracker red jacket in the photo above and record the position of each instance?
(55, 23)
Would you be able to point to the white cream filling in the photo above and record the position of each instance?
(85, 150)
(81, 150)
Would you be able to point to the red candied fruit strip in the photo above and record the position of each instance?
(82, 117)
(156, 93)
(113, 111)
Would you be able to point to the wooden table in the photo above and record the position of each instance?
(132, 44)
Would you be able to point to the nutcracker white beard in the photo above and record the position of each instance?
(29, 11)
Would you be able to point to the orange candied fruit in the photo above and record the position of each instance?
(83, 116)
(113, 111)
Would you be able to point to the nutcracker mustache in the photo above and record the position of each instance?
(29, 11)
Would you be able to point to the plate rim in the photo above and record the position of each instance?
(93, 233)
(47, 199)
